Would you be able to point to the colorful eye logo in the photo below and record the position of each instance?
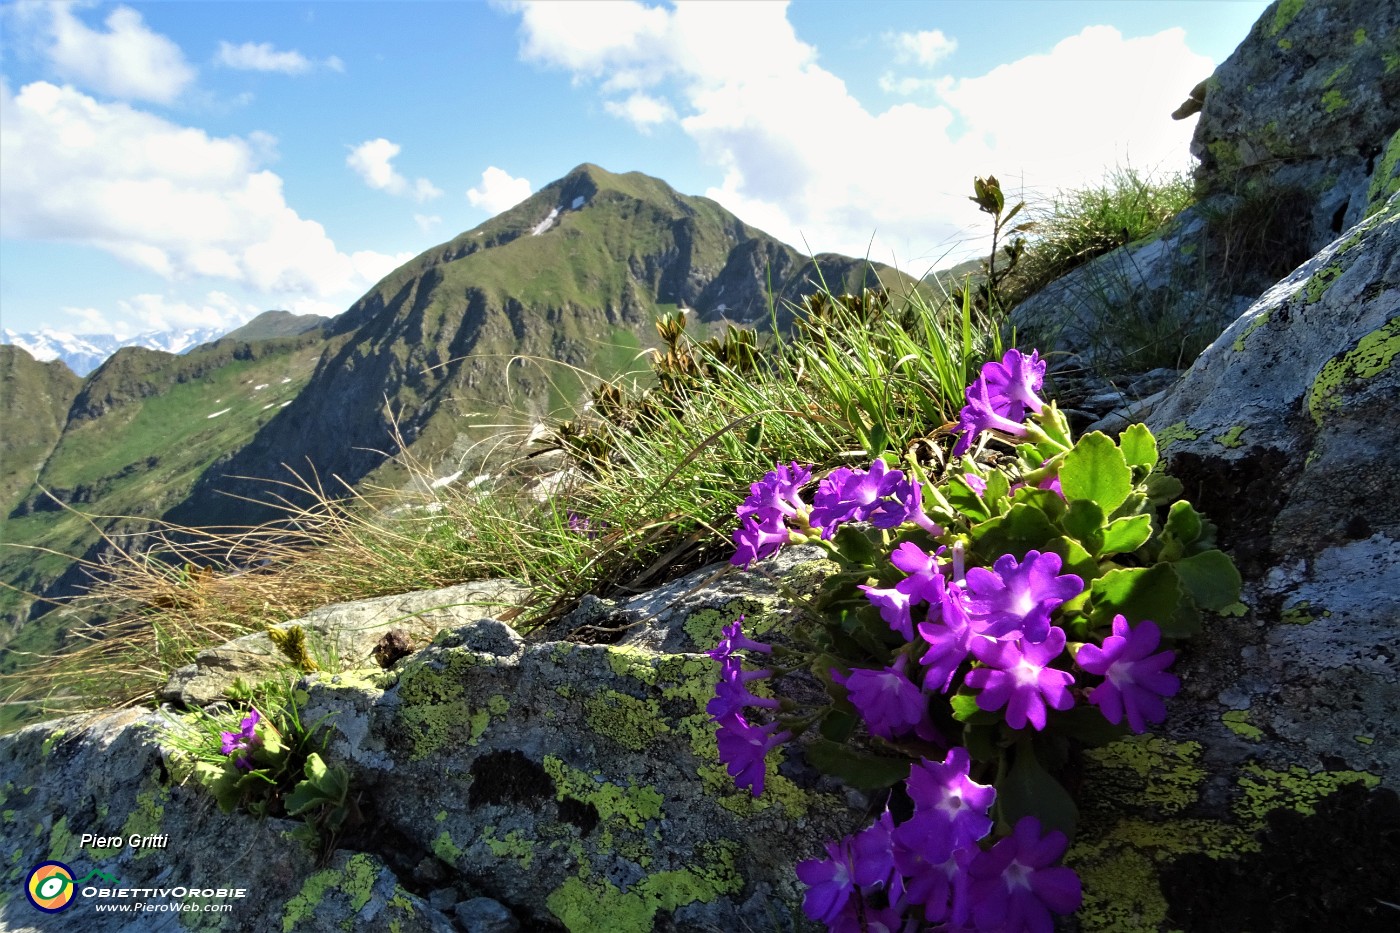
(49, 887)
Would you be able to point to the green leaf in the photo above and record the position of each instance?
(982, 741)
(998, 486)
(1139, 448)
(1127, 534)
(961, 497)
(1074, 557)
(965, 709)
(861, 770)
(1084, 520)
(1086, 723)
(1138, 593)
(855, 546)
(315, 768)
(1095, 469)
(1161, 488)
(1024, 527)
(303, 797)
(1183, 522)
(1211, 578)
(837, 725)
(1028, 789)
(879, 439)
(1184, 624)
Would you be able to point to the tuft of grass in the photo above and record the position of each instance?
(656, 473)
(1076, 226)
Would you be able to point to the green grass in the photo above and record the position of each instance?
(664, 490)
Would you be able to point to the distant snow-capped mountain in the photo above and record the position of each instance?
(85, 352)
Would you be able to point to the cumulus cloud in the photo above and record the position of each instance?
(498, 191)
(427, 222)
(373, 160)
(643, 110)
(166, 198)
(156, 312)
(923, 48)
(128, 61)
(261, 56)
(758, 110)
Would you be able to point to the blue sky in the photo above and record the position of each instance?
(191, 164)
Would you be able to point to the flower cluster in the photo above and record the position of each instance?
(933, 865)
(242, 742)
(774, 513)
(974, 637)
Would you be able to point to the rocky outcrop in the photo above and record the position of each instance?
(1299, 139)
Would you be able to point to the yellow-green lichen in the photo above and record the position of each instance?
(1385, 179)
(778, 791)
(52, 739)
(356, 881)
(435, 712)
(1321, 281)
(1231, 438)
(1358, 37)
(1118, 868)
(1153, 770)
(146, 818)
(513, 846)
(1372, 355)
(598, 906)
(632, 723)
(445, 849)
(440, 816)
(1365, 739)
(1332, 101)
(1285, 45)
(1258, 321)
(1299, 613)
(60, 839)
(1265, 791)
(631, 806)
(1284, 13)
(1176, 432)
(704, 626)
(1237, 721)
(630, 661)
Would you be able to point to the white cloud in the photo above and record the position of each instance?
(756, 112)
(923, 48)
(373, 160)
(261, 56)
(498, 191)
(643, 110)
(166, 198)
(128, 61)
(427, 222)
(158, 312)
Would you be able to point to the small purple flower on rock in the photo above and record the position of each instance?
(862, 860)
(1135, 679)
(1016, 885)
(1019, 677)
(755, 539)
(778, 492)
(847, 495)
(732, 639)
(243, 741)
(981, 414)
(743, 748)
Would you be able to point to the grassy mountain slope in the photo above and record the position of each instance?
(34, 401)
(483, 329)
(271, 324)
(144, 427)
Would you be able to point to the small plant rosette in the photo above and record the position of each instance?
(980, 627)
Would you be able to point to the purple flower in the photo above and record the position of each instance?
(1019, 677)
(895, 605)
(1017, 599)
(949, 639)
(863, 860)
(757, 538)
(777, 493)
(582, 525)
(243, 741)
(981, 414)
(743, 748)
(1014, 382)
(858, 917)
(732, 639)
(887, 700)
(950, 809)
(976, 483)
(732, 693)
(1135, 679)
(847, 495)
(942, 888)
(1016, 885)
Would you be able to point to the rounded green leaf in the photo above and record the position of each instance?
(1095, 469)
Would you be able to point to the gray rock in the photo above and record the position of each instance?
(483, 915)
(343, 635)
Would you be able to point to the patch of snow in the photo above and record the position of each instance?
(260, 388)
(578, 202)
(285, 404)
(446, 480)
(286, 379)
(545, 224)
(218, 413)
(721, 307)
(478, 480)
